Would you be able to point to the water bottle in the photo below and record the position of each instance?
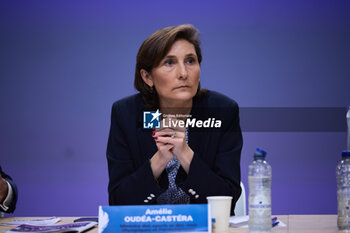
(348, 121)
(343, 183)
(259, 180)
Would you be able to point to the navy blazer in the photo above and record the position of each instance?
(215, 167)
(12, 206)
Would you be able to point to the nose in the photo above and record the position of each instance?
(182, 71)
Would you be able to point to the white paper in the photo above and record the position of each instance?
(37, 222)
(70, 227)
(242, 222)
(239, 219)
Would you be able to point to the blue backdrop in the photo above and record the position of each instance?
(63, 64)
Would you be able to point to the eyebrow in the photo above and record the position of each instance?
(187, 55)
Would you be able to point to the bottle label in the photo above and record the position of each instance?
(344, 202)
(259, 196)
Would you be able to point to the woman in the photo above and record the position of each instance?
(173, 164)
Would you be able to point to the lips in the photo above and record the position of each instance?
(180, 87)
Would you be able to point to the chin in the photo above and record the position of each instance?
(185, 96)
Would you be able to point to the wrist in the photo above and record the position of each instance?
(158, 164)
(186, 158)
(189, 155)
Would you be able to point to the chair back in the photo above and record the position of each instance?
(240, 208)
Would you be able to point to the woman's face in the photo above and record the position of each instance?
(176, 78)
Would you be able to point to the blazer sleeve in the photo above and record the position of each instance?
(12, 206)
(223, 178)
(129, 182)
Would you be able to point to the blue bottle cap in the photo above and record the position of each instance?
(345, 153)
(259, 153)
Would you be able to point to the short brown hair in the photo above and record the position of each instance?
(154, 49)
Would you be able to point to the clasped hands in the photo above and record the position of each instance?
(170, 141)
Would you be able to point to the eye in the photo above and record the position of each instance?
(190, 60)
(169, 62)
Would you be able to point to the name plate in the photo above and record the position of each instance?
(154, 218)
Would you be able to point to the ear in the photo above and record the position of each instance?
(146, 77)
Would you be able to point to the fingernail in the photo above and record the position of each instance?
(153, 133)
(155, 138)
(153, 129)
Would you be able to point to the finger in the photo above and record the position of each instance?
(164, 134)
(165, 129)
(159, 144)
(164, 140)
(169, 140)
(174, 134)
(166, 148)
